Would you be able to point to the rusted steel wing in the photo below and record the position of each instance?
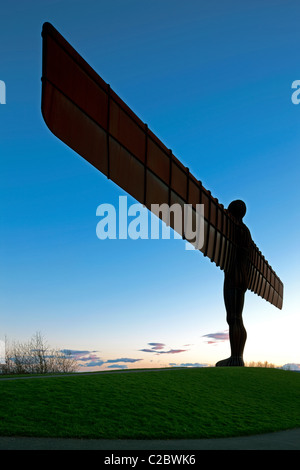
(82, 110)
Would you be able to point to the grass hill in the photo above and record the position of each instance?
(162, 404)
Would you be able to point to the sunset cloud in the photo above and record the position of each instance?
(188, 364)
(148, 350)
(173, 351)
(76, 353)
(87, 359)
(157, 349)
(117, 366)
(291, 366)
(93, 363)
(157, 346)
(91, 359)
(215, 338)
(123, 359)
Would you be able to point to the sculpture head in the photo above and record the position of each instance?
(237, 209)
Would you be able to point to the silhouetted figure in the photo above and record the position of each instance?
(235, 286)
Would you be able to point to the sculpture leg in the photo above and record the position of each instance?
(234, 303)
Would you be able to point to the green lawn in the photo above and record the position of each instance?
(170, 404)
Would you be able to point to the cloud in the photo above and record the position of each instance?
(217, 337)
(157, 346)
(87, 357)
(76, 352)
(117, 366)
(188, 364)
(148, 350)
(291, 366)
(156, 351)
(193, 364)
(123, 359)
(173, 351)
(96, 363)
(91, 357)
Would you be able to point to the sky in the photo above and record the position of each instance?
(213, 80)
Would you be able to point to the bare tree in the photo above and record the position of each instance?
(39, 349)
(265, 364)
(36, 357)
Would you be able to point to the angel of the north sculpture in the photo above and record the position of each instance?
(82, 110)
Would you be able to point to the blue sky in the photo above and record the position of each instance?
(213, 81)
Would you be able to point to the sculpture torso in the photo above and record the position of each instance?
(236, 277)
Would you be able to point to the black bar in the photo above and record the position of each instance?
(208, 225)
(216, 232)
(170, 175)
(218, 262)
(108, 133)
(146, 169)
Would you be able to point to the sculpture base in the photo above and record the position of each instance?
(232, 361)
